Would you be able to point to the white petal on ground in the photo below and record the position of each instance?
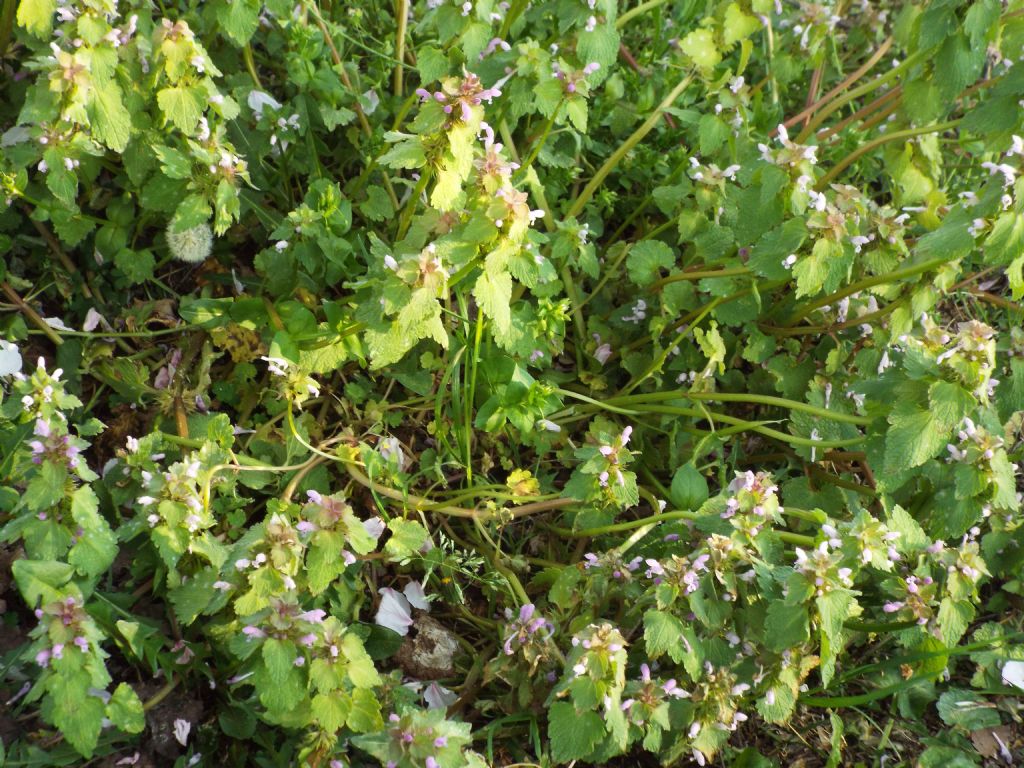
(181, 731)
(394, 611)
(92, 320)
(374, 526)
(1013, 673)
(10, 358)
(438, 697)
(414, 592)
(56, 322)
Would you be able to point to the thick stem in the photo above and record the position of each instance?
(31, 314)
(851, 158)
(637, 136)
(403, 19)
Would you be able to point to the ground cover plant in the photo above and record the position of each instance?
(437, 384)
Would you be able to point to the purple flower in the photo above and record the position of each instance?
(253, 632)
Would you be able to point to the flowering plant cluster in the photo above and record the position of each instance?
(450, 384)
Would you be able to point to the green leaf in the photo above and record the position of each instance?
(96, 547)
(493, 292)
(407, 538)
(77, 713)
(37, 16)
(955, 616)
(738, 25)
(966, 709)
(125, 710)
(110, 121)
(1006, 240)
(407, 154)
(137, 266)
(574, 735)
(700, 46)
(174, 164)
(239, 19)
(576, 109)
(431, 63)
(601, 45)
(331, 710)
(663, 634)
(182, 106)
(279, 657)
(785, 626)
(689, 488)
(41, 580)
(365, 714)
(46, 489)
(912, 535)
(646, 259)
(825, 268)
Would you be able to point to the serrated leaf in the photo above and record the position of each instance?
(785, 626)
(125, 709)
(574, 735)
(493, 293)
(646, 259)
(700, 46)
(663, 634)
(96, 546)
(110, 121)
(37, 16)
(364, 716)
(182, 106)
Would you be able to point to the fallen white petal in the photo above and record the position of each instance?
(414, 592)
(181, 731)
(10, 358)
(1013, 673)
(394, 611)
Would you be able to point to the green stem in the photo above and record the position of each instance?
(751, 426)
(637, 136)
(732, 272)
(539, 144)
(413, 202)
(867, 282)
(731, 397)
(403, 19)
(250, 65)
(862, 150)
(470, 399)
(879, 626)
(856, 93)
(629, 525)
(632, 13)
(7, 24)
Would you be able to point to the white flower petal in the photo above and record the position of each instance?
(258, 100)
(1013, 673)
(181, 731)
(414, 592)
(10, 358)
(56, 322)
(439, 697)
(92, 320)
(394, 611)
